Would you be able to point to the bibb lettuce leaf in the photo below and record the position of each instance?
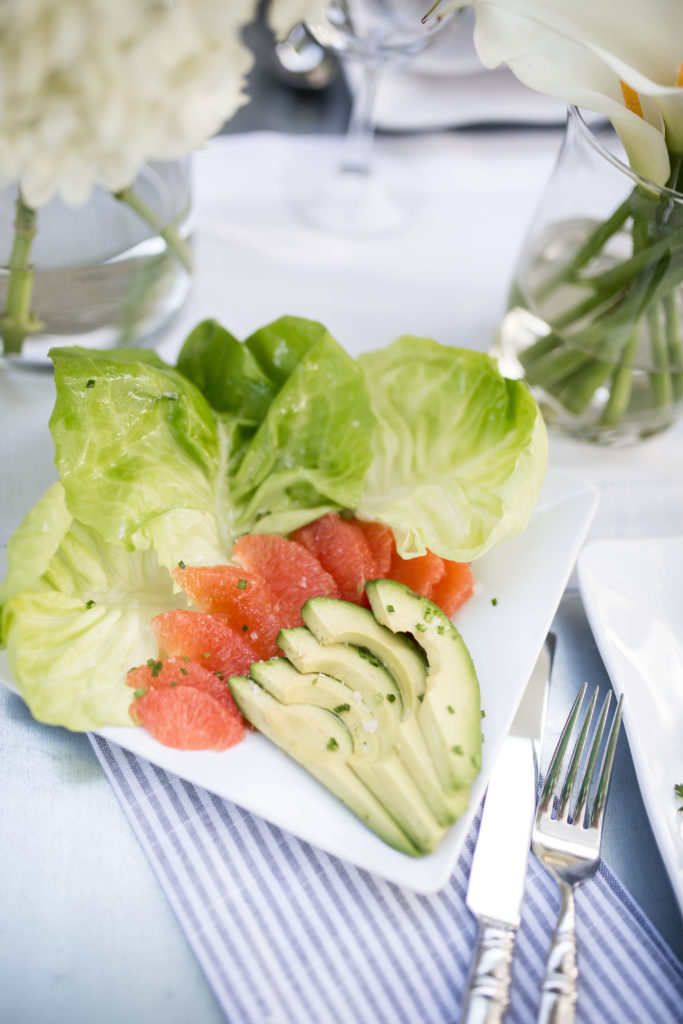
(460, 452)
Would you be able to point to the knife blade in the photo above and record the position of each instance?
(496, 885)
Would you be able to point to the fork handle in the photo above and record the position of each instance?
(488, 991)
(559, 992)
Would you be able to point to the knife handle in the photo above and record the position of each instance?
(488, 992)
(560, 985)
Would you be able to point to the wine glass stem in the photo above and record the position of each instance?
(358, 147)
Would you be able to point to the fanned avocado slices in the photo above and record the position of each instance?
(389, 722)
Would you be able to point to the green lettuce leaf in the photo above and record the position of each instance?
(310, 451)
(459, 451)
(72, 636)
(133, 440)
(34, 542)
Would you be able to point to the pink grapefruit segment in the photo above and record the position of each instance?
(341, 547)
(292, 573)
(245, 598)
(177, 671)
(454, 588)
(204, 638)
(187, 718)
(420, 574)
(382, 544)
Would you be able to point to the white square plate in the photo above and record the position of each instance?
(518, 587)
(632, 591)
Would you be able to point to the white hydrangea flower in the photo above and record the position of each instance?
(283, 15)
(90, 89)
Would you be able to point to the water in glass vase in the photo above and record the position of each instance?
(109, 274)
(604, 360)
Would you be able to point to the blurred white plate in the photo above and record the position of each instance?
(633, 594)
(526, 576)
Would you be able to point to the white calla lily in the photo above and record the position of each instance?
(582, 52)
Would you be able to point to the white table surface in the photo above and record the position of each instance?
(85, 933)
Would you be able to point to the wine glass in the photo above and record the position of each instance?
(357, 192)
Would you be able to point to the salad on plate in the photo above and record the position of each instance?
(272, 533)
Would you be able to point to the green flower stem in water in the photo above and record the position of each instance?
(674, 343)
(622, 382)
(660, 380)
(594, 342)
(590, 248)
(17, 321)
(168, 231)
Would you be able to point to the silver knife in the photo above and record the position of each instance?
(496, 884)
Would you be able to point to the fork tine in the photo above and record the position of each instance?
(555, 766)
(592, 758)
(565, 797)
(606, 772)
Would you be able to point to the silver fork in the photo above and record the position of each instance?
(566, 839)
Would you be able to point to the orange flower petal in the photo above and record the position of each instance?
(631, 99)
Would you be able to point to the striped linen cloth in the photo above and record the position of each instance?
(287, 934)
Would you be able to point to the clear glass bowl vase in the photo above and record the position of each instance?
(595, 312)
(112, 273)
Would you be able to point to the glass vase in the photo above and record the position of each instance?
(595, 312)
(109, 274)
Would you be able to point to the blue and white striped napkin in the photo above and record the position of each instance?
(287, 934)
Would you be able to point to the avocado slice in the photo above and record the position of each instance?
(356, 625)
(283, 682)
(450, 711)
(374, 758)
(389, 722)
(319, 741)
(363, 673)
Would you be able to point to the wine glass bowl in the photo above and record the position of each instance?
(357, 193)
(376, 30)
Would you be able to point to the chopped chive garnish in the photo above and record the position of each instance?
(241, 584)
(451, 709)
(245, 628)
(421, 627)
(494, 601)
(342, 707)
(219, 675)
(421, 697)
(90, 384)
(89, 604)
(184, 671)
(678, 790)
(390, 608)
(483, 713)
(206, 654)
(174, 683)
(441, 630)
(185, 657)
(181, 564)
(140, 693)
(155, 666)
(369, 656)
(379, 697)
(391, 697)
(332, 745)
(457, 749)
